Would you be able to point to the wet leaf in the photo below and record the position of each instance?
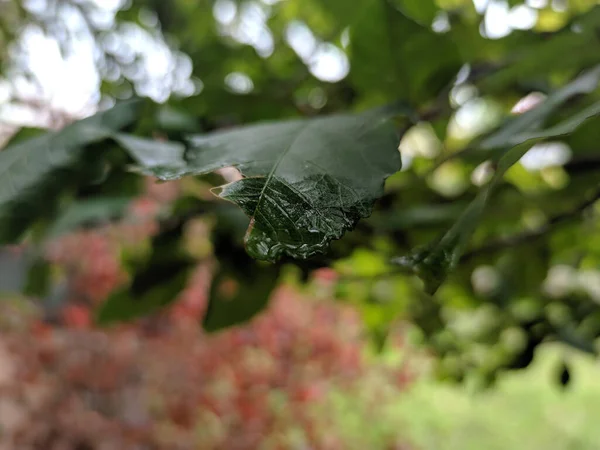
(305, 181)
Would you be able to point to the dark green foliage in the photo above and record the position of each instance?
(89, 213)
(36, 173)
(241, 287)
(38, 278)
(157, 280)
(409, 61)
(306, 182)
(314, 156)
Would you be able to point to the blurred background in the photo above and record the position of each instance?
(348, 354)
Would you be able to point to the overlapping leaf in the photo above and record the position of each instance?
(506, 145)
(305, 182)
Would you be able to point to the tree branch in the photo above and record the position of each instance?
(522, 238)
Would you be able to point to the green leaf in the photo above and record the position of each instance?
(526, 126)
(124, 306)
(240, 289)
(24, 134)
(418, 216)
(171, 119)
(150, 152)
(155, 285)
(421, 11)
(38, 278)
(395, 57)
(563, 50)
(561, 129)
(433, 262)
(34, 172)
(87, 212)
(305, 181)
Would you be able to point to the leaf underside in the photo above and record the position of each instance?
(305, 182)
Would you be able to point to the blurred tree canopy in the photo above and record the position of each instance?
(481, 118)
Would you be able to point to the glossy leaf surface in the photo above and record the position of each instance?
(305, 182)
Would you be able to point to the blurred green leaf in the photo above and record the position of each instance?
(169, 118)
(418, 216)
(421, 11)
(155, 283)
(151, 152)
(89, 212)
(38, 278)
(527, 125)
(124, 306)
(24, 134)
(433, 262)
(396, 58)
(240, 289)
(363, 263)
(564, 50)
(34, 172)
